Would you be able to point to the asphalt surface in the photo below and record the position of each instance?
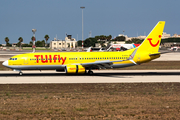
(99, 76)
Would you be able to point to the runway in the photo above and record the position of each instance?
(99, 76)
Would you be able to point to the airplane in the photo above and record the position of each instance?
(81, 62)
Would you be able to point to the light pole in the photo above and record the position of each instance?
(34, 39)
(82, 26)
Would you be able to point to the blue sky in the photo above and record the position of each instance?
(101, 17)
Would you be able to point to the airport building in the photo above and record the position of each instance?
(69, 42)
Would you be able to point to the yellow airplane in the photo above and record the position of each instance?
(80, 62)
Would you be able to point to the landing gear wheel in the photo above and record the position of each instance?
(20, 73)
(85, 72)
(90, 72)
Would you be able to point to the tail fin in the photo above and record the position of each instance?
(153, 40)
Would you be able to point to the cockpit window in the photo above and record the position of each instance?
(13, 59)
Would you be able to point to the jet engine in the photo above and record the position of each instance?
(75, 69)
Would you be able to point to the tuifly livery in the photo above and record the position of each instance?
(81, 62)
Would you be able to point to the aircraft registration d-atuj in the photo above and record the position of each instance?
(81, 62)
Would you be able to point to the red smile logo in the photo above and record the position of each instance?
(153, 45)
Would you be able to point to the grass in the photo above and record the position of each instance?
(128, 101)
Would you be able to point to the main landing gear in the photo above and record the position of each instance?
(90, 72)
(20, 73)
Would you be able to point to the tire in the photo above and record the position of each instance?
(20, 73)
(90, 72)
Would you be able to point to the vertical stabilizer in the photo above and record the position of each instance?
(153, 40)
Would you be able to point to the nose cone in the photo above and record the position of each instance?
(5, 63)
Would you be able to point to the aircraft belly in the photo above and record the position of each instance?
(122, 65)
(37, 67)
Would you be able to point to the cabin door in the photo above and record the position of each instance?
(80, 59)
(25, 59)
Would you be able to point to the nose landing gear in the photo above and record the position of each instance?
(20, 73)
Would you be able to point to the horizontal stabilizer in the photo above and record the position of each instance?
(158, 53)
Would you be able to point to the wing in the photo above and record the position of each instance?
(100, 64)
(107, 63)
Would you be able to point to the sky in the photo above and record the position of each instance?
(101, 17)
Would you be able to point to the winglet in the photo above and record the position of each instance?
(132, 56)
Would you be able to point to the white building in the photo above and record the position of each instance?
(141, 37)
(165, 35)
(67, 43)
(176, 35)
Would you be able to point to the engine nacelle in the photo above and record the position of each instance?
(75, 69)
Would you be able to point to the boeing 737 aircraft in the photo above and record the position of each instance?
(80, 62)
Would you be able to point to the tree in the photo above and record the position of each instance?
(134, 40)
(20, 40)
(170, 40)
(26, 45)
(31, 43)
(43, 43)
(7, 41)
(90, 42)
(46, 38)
(109, 37)
(102, 43)
(39, 44)
(120, 38)
(79, 43)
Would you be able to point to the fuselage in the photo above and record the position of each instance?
(59, 60)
